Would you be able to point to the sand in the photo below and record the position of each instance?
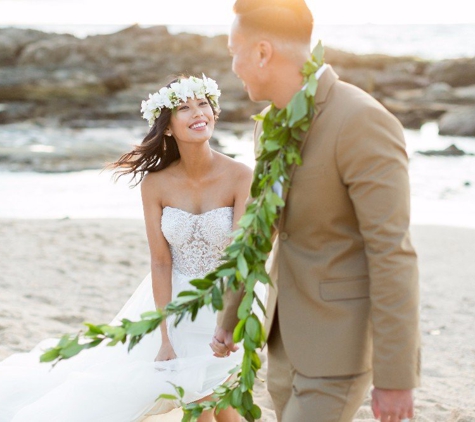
(54, 274)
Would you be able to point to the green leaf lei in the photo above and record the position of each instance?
(243, 262)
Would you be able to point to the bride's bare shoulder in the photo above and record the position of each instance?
(235, 168)
(153, 183)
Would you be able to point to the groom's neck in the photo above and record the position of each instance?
(286, 80)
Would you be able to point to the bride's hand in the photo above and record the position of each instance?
(166, 352)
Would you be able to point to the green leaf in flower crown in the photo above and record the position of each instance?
(318, 53)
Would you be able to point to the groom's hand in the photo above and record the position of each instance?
(392, 405)
(222, 343)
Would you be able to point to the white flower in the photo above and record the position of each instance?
(211, 87)
(198, 87)
(178, 92)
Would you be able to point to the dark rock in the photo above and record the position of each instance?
(40, 84)
(238, 111)
(85, 82)
(451, 151)
(458, 122)
(14, 40)
(345, 59)
(14, 111)
(413, 115)
(457, 72)
(465, 95)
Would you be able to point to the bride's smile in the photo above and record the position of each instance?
(193, 121)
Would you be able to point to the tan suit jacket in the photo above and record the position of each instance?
(344, 267)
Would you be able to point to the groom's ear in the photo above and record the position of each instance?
(266, 51)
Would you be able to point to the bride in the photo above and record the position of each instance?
(192, 199)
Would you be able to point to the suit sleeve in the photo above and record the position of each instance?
(373, 165)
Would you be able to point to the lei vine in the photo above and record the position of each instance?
(243, 262)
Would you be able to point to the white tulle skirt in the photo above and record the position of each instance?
(108, 384)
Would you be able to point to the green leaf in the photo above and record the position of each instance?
(245, 306)
(242, 265)
(236, 397)
(271, 145)
(226, 272)
(137, 328)
(238, 332)
(298, 107)
(247, 402)
(72, 349)
(201, 283)
(50, 355)
(253, 328)
(256, 411)
(66, 339)
(167, 397)
(217, 299)
(93, 330)
(318, 53)
(312, 84)
(246, 220)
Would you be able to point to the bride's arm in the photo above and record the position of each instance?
(222, 342)
(243, 179)
(160, 257)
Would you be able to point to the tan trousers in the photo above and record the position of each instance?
(300, 398)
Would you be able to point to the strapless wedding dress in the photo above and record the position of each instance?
(108, 384)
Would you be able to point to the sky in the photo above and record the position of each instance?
(219, 12)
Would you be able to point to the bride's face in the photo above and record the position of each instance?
(192, 121)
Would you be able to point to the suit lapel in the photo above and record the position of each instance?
(325, 82)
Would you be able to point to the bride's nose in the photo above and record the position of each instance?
(197, 112)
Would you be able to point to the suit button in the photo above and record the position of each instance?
(283, 236)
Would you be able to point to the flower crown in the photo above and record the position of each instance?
(178, 92)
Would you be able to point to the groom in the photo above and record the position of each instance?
(345, 309)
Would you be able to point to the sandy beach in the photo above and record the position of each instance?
(55, 274)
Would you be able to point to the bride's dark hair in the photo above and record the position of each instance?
(156, 152)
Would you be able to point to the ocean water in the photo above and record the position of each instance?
(443, 188)
(430, 41)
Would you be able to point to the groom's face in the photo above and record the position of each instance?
(245, 54)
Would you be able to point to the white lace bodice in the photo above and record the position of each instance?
(197, 241)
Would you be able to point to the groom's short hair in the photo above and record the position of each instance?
(290, 20)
